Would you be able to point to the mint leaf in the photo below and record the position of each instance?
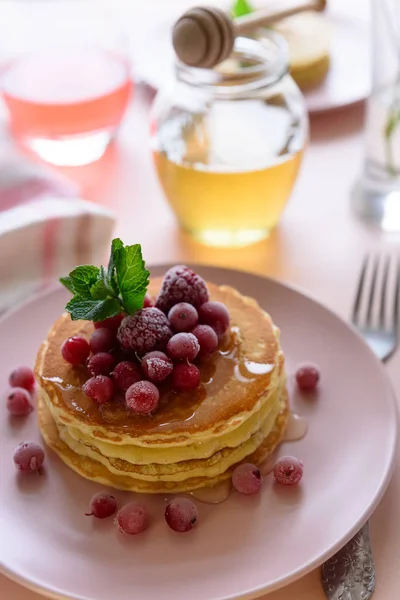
(100, 293)
(116, 245)
(132, 276)
(101, 289)
(93, 310)
(83, 278)
(241, 8)
(68, 283)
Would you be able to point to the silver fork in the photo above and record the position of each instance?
(350, 573)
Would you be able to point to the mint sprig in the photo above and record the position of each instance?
(241, 8)
(100, 293)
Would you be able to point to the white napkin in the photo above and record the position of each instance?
(46, 229)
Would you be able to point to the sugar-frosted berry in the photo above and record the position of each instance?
(247, 479)
(29, 457)
(181, 514)
(101, 363)
(207, 339)
(22, 377)
(156, 366)
(102, 340)
(185, 377)
(148, 329)
(142, 397)
(102, 505)
(133, 518)
(216, 315)
(125, 374)
(181, 284)
(183, 317)
(183, 346)
(99, 388)
(288, 470)
(19, 402)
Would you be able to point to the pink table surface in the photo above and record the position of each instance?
(319, 247)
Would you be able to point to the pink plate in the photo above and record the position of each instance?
(243, 547)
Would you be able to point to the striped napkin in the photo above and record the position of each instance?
(46, 229)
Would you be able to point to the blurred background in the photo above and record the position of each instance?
(245, 171)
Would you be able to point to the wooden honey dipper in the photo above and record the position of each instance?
(204, 36)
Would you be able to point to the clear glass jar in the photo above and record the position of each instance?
(228, 142)
(376, 196)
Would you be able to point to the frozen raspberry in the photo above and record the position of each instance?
(146, 330)
(181, 284)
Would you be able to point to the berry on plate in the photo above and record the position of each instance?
(307, 378)
(247, 479)
(102, 505)
(132, 518)
(181, 514)
(29, 457)
(22, 377)
(288, 470)
(19, 402)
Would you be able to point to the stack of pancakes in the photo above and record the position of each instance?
(194, 439)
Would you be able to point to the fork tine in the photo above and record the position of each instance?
(357, 302)
(372, 291)
(383, 293)
(397, 298)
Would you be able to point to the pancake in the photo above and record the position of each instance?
(193, 439)
(95, 471)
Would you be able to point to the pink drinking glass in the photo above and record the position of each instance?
(65, 77)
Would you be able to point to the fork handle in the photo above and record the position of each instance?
(350, 573)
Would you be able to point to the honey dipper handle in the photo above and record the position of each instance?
(275, 12)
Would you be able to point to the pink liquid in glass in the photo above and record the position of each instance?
(56, 94)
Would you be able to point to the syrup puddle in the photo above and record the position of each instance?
(214, 495)
(296, 428)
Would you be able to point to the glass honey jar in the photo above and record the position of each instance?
(228, 142)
